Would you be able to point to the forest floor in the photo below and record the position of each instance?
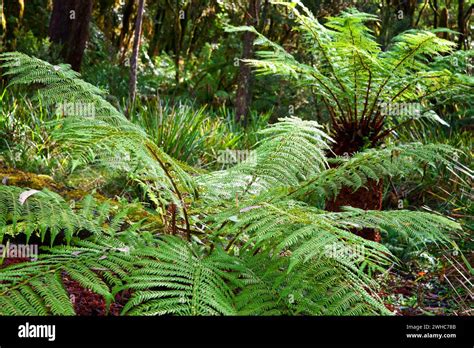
(420, 291)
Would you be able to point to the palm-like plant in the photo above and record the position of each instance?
(357, 81)
(361, 86)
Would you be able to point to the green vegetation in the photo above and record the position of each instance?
(344, 177)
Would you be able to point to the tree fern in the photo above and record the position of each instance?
(353, 77)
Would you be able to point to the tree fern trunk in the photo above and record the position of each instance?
(367, 198)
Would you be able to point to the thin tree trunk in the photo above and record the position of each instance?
(69, 26)
(244, 89)
(461, 26)
(178, 38)
(444, 22)
(133, 61)
(435, 11)
(154, 42)
(127, 12)
(12, 13)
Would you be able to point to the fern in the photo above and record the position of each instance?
(262, 242)
(36, 288)
(353, 77)
(417, 227)
(42, 212)
(106, 138)
(173, 279)
(290, 151)
(60, 84)
(374, 164)
(47, 214)
(270, 290)
(166, 278)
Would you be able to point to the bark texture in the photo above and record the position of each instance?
(244, 89)
(134, 60)
(69, 27)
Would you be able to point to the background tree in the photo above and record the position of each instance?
(134, 58)
(244, 85)
(69, 27)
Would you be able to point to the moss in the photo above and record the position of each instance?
(15, 177)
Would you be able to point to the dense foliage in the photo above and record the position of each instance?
(173, 205)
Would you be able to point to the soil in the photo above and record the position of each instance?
(86, 302)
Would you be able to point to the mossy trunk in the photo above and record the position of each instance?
(368, 197)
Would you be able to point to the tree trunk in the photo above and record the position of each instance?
(12, 13)
(133, 61)
(368, 197)
(435, 13)
(444, 22)
(244, 89)
(127, 12)
(178, 34)
(69, 26)
(461, 26)
(408, 8)
(154, 46)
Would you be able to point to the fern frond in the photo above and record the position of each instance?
(317, 288)
(417, 227)
(172, 279)
(42, 212)
(60, 84)
(324, 244)
(46, 214)
(374, 164)
(291, 151)
(36, 288)
(106, 137)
